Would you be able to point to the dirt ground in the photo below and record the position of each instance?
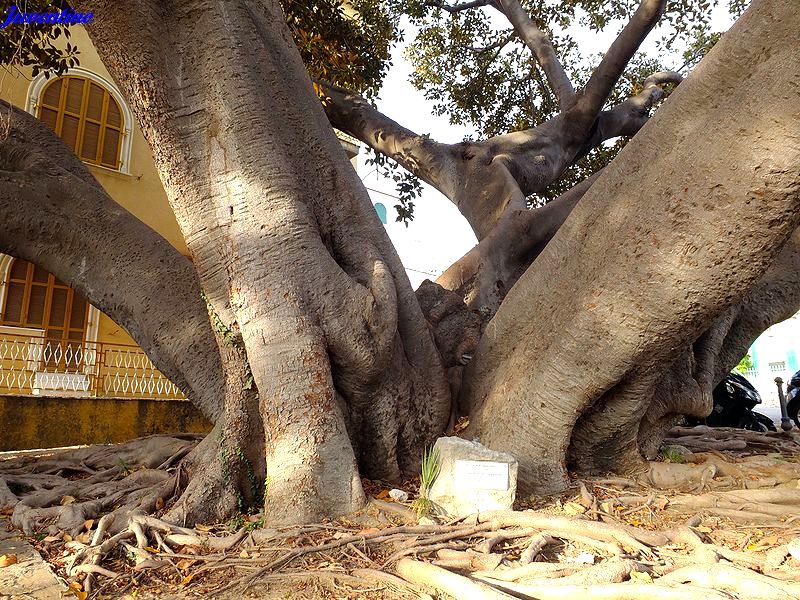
(717, 517)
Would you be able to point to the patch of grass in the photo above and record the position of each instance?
(672, 455)
(126, 470)
(237, 522)
(428, 474)
(242, 521)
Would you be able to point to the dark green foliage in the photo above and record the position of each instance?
(33, 44)
(408, 186)
(347, 44)
(479, 74)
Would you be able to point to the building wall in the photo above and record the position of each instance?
(775, 354)
(140, 191)
(28, 422)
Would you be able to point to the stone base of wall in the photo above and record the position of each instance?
(45, 422)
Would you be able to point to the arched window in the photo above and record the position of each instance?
(86, 116)
(35, 298)
(381, 210)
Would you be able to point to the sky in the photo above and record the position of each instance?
(439, 235)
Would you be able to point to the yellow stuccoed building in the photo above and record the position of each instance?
(68, 373)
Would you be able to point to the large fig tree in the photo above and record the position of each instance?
(593, 320)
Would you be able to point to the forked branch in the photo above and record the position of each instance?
(456, 8)
(608, 72)
(542, 48)
(628, 117)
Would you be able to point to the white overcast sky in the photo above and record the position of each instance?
(439, 235)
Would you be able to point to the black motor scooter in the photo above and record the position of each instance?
(793, 398)
(734, 400)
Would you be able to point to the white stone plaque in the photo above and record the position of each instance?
(481, 475)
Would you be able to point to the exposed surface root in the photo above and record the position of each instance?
(62, 490)
(619, 539)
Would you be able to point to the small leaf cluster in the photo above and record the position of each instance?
(408, 186)
(34, 44)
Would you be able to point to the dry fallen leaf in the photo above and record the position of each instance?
(88, 524)
(770, 540)
(187, 579)
(75, 589)
(573, 508)
(185, 564)
(159, 503)
(244, 554)
(67, 500)
(6, 560)
(641, 576)
(634, 522)
(84, 537)
(704, 529)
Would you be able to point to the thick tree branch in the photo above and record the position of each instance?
(456, 8)
(542, 49)
(485, 274)
(628, 117)
(418, 154)
(605, 76)
(56, 215)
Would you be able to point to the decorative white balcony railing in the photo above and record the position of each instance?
(31, 365)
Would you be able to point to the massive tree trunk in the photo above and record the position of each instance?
(320, 332)
(686, 388)
(672, 234)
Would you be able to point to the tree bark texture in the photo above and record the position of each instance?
(672, 234)
(686, 388)
(289, 251)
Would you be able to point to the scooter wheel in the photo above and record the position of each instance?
(764, 422)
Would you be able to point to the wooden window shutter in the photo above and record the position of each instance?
(86, 117)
